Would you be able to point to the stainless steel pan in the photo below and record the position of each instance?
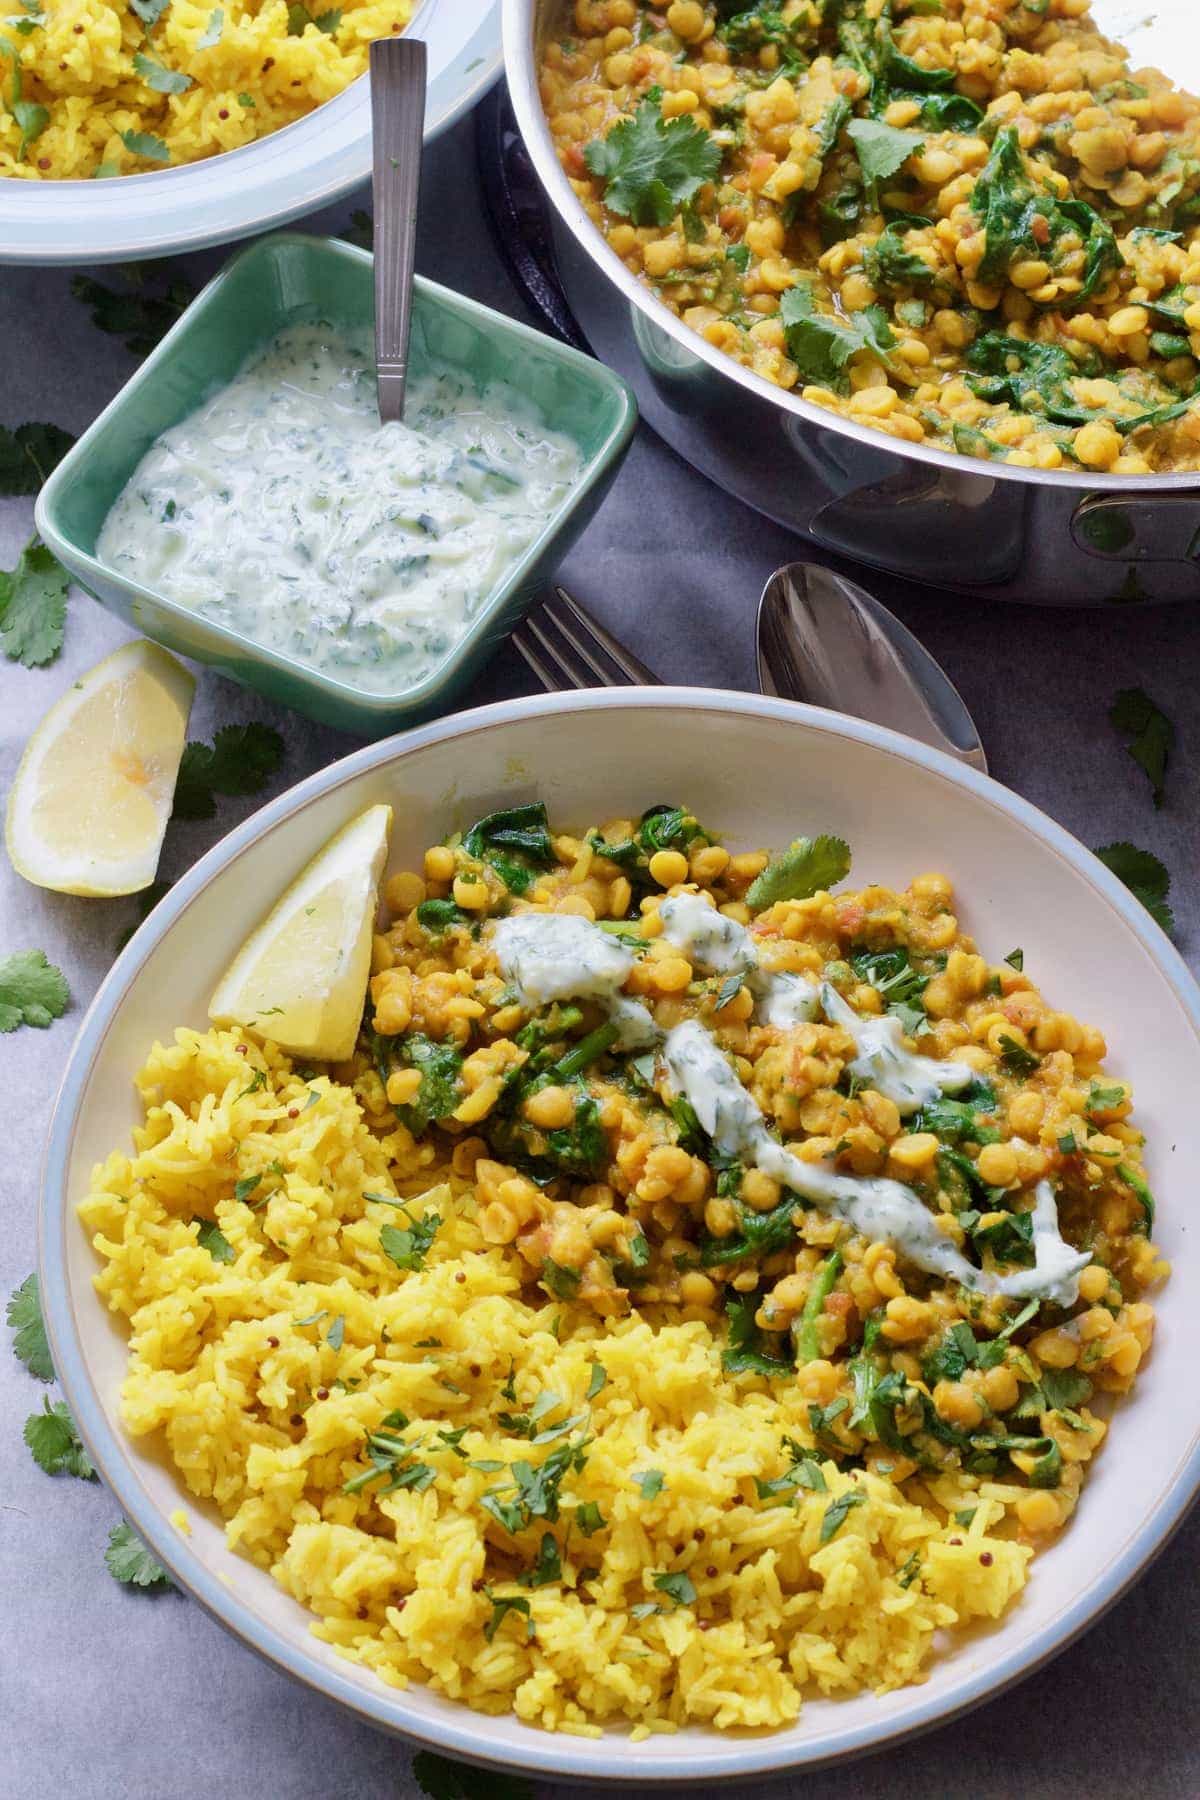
(952, 521)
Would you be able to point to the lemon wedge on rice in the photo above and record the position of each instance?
(301, 977)
(92, 794)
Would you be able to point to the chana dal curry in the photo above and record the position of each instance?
(698, 1290)
(967, 223)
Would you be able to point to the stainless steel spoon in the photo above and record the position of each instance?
(398, 68)
(823, 639)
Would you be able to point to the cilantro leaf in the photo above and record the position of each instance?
(409, 1245)
(1144, 875)
(821, 344)
(679, 1585)
(140, 315)
(54, 1443)
(128, 1561)
(882, 150)
(1133, 712)
(30, 1343)
(240, 760)
(145, 145)
(149, 11)
(502, 1605)
(30, 118)
(836, 1512)
(588, 1518)
(213, 1239)
(805, 868)
(299, 18)
(748, 1350)
(32, 991)
(651, 167)
(28, 454)
(651, 1483)
(547, 1568)
(33, 606)
(1015, 1057)
(162, 80)
(440, 1779)
(212, 31)
(599, 1377)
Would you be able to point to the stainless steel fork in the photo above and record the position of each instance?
(566, 648)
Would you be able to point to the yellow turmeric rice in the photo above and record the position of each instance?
(117, 87)
(481, 1346)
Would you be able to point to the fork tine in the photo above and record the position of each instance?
(579, 674)
(631, 667)
(603, 672)
(551, 680)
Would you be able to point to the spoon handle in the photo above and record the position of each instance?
(398, 125)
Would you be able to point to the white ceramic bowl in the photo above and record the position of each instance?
(294, 171)
(759, 771)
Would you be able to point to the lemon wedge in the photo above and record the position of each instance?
(92, 794)
(301, 977)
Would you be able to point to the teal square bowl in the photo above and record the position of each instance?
(291, 279)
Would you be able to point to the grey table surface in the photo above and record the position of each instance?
(105, 1693)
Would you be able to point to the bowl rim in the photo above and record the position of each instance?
(521, 22)
(370, 705)
(605, 1759)
(147, 221)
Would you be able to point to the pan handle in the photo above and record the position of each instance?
(1140, 528)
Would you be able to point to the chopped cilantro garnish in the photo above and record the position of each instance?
(145, 145)
(392, 1460)
(559, 1280)
(213, 1239)
(651, 167)
(1016, 1058)
(588, 1518)
(821, 344)
(748, 1350)
(409, 1245)
(882, 151)
(548, 1566)
(162, 80)
(836, 1512)
(679, 1585)
(650, 1483)
(502, 1605)
(806, 867)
